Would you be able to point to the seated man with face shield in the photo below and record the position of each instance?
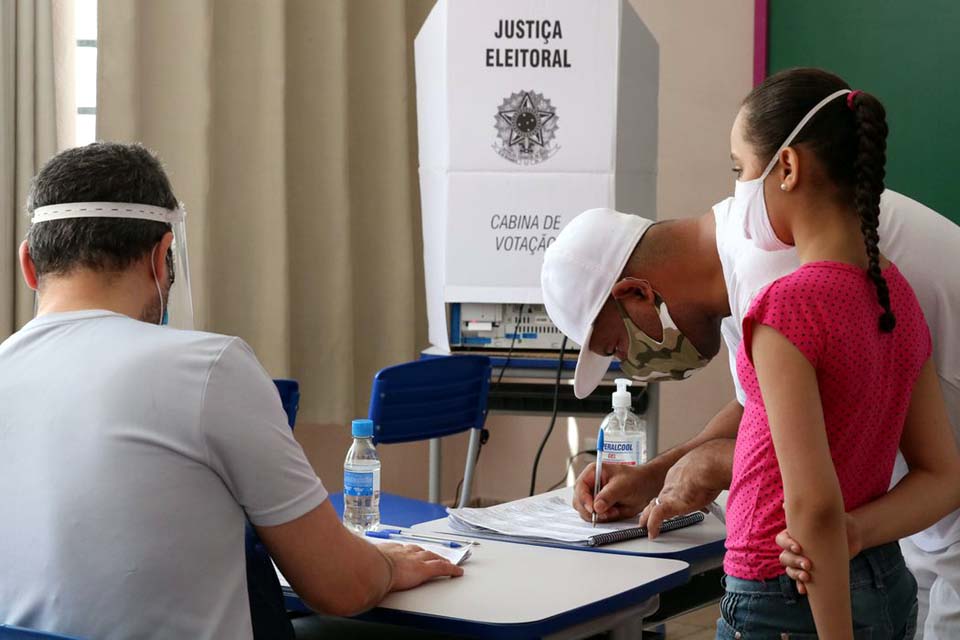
(659, 296)
(133, 454)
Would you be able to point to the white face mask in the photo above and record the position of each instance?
(748, 201)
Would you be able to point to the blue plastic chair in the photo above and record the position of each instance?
(268, 614)
(289, 391)
(8, 632)
(422, 400)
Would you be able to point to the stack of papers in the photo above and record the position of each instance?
(543, 518)
(550, 519)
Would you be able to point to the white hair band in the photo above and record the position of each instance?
(107, 210)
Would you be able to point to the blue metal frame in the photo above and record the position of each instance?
(9, 632)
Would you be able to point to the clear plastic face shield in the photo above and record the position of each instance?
(176, 301)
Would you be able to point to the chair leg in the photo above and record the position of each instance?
(433, 491)
(470, 467)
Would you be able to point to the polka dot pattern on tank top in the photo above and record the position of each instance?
(829, 312)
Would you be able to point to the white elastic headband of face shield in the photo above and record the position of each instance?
(180, 302)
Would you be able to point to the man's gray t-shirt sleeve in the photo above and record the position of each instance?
(249, 443)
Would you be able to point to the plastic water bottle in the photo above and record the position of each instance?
(624, 432)
(361, 481)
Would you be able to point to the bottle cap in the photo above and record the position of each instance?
(621, 397)
(363, 428)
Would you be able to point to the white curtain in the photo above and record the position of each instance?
(37, 110)
(288, 129)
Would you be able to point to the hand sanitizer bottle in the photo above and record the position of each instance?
(624, 432)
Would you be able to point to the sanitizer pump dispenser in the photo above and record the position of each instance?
(624, 432)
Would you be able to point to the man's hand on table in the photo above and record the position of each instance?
(799, 567)
(625, 490)
(411, 566)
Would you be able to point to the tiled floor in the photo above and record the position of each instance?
(699, 625)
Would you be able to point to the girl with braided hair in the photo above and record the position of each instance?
(835, 362)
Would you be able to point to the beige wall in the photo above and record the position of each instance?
(706, 69)
(706, 51)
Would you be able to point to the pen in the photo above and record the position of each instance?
(386, 535)
(421, 536)
(596, 480)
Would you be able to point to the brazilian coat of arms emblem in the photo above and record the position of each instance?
(526, 125)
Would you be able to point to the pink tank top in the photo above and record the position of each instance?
(829, 311)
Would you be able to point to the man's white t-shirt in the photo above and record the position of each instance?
(131, 456)
(923, 244)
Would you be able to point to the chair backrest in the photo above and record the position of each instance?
(290, 398)
(19, 633)
(429, 398)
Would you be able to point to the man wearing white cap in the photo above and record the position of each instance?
(621, 283)
(608, 282)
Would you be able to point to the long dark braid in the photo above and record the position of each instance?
(869, 172)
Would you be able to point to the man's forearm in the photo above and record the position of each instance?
(720, 432)
(918, 501)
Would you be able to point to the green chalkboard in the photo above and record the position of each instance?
(905, 52)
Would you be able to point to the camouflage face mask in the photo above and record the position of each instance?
(675, 358)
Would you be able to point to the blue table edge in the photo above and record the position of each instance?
(564, 620)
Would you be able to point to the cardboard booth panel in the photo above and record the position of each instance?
(501, 224)
(531, 85)
(433, 207)
(529, 112)
(430, 72)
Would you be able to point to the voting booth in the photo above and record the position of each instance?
(529, 112)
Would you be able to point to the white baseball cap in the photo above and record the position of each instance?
(578, 274)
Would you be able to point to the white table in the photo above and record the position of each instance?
(522, 591)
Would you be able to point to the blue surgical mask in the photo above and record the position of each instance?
(164, 312)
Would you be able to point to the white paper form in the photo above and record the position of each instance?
(543, 517)
(456, 556)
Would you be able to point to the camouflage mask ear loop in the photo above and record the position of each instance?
(633, 329)
(672, 358)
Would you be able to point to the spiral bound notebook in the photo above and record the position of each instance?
(550, 518)
(670, 524)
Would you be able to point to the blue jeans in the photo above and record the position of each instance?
(883, 594)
